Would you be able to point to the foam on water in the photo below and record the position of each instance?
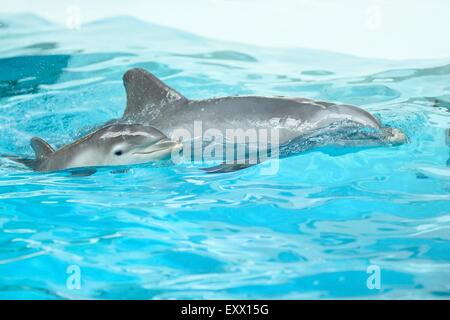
(160, 231)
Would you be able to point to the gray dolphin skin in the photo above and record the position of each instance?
(111, 145)
(300, 122)
(155, 115)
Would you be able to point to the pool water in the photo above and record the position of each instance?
(316, 229)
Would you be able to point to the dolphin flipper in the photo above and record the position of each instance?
(82, 172)
(145, 91)
(224, 168)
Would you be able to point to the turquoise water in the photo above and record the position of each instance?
(163, 232)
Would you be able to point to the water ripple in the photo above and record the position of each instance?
(163, 232)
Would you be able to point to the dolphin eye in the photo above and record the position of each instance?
(118, 153)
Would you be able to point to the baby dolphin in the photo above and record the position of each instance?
(111, 145)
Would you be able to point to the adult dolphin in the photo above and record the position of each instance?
(301, 123)
(111, 145)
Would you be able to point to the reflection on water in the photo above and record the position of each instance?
(159, 231)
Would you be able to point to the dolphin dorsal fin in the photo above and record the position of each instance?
(41, 148)
(145, 91)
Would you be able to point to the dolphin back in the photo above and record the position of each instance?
(147, 94)
(41, 148)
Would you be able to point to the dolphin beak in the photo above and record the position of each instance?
(160, 149)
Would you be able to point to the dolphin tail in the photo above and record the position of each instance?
(30, 163)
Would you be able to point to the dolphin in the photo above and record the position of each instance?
(111, 145)
(301, 123)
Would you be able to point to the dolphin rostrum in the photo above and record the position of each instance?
(111, 145)
(301, 123)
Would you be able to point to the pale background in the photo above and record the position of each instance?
(399, 29)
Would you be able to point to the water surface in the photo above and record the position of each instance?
(163, 232)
